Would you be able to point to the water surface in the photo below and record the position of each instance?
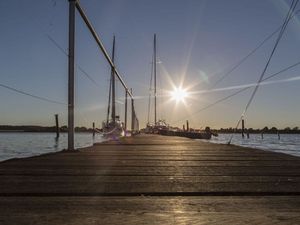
(25, 144)
(288, 143)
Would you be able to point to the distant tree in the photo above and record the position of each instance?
(273, 130)
(265, 129)
(63, 128)
(295, 128)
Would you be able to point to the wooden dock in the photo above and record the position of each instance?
(150, 179)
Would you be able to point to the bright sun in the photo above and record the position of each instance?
(179, 94)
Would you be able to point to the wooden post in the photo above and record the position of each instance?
(183, 127)
(262, 135)
(243, 128)
(125, 125)
(93, 129)
(57, 126)
(248, 135)
(132, 114)
(278, 134)
(71, 71)
(187, 126)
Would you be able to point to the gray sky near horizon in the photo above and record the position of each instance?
(198, 41)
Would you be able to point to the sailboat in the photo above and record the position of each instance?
(160, 126)
(112, 127)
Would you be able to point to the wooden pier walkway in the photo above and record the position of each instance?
(151, 179)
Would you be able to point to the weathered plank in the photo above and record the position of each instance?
(152, 180)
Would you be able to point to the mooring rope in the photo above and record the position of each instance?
(283, 28)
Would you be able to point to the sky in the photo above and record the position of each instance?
(198, 41)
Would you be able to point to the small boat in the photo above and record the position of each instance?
(113, 127)
(188, 134)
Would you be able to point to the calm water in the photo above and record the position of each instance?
(18, 145)
(288, 143)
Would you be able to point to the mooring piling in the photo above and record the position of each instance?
(56, 126)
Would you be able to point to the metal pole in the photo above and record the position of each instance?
(154, 56)
(93, 129)
(132, 114)
(243, 128)
(109, 100)
(71, 70)
(113, 93)
(57, 125)
(100, 45)
(126, 96)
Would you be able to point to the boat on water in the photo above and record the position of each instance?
(112, 127)
(160, 126)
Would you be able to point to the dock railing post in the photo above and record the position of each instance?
(125, 122)
(187, 126)
(132, 114)
(71, 70)
(56, 126)
(93, 129)
(243, 128)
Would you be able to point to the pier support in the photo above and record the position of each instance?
(125, 122)
(93, 129)
(71, 70)
(187, 126)
(56, 126)
(243, 128)
(132, 114)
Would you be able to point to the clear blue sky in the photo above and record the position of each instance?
(196, 39)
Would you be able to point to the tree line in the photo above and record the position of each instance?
(41, 128)
(272, 130)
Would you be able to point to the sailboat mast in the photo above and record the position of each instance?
(154, 61)
(113, 94)
(109, 100)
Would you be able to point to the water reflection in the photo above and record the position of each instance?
(21, 144)
(288, 143)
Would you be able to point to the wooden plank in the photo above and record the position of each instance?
(150, 210)
(152, 180)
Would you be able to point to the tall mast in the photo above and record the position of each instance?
(109, 100)
(113, 94)
(154, 61)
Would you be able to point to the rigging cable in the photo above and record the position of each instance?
(32, 95)
(78, 66)
(287, 19)
(250, 53)
(237, 65)
(241, 90)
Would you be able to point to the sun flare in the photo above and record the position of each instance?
(179, 94)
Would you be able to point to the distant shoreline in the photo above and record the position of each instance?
(64, 129)
(11, 128)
